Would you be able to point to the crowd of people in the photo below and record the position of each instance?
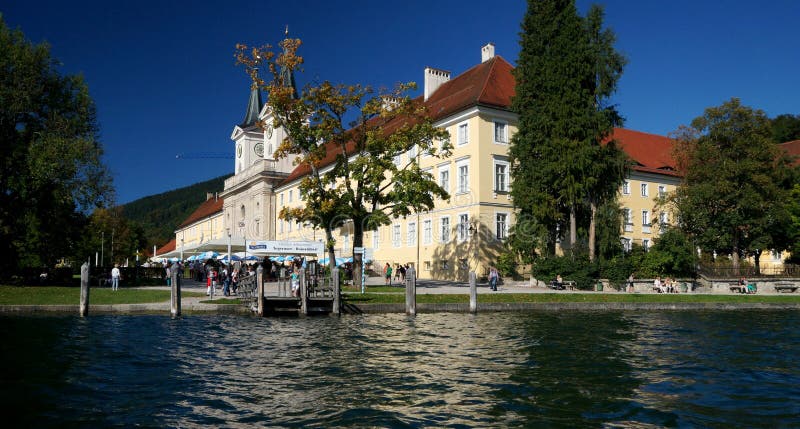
(399, 271)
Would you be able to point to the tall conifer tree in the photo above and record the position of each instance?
(566, 71)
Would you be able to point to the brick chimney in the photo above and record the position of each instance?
(433, 79)
(487, 52)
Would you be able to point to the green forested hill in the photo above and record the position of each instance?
(160, 214)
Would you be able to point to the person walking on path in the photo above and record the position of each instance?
(226, 281)
(493, 277)
(115, 276)
(387, 273)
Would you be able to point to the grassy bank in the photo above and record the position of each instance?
(15, 295)
(399, 298)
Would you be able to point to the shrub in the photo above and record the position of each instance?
(507, 264)
(576, 268)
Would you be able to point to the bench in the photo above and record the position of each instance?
(785, 287)
(564, 285)
(736, 287)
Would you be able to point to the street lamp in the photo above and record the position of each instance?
(228, 229)
(244, 236)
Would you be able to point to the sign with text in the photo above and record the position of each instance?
(285, 247)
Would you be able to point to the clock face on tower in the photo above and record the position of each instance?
(259, 150)
(239, 150)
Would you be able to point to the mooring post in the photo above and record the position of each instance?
(411, 291)
(260, 290)
(336, 291)
(175, 296)
(303, 294)
(473, 292)
(84, 309)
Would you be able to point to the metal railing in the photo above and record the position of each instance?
(712, 271)
(247, 291)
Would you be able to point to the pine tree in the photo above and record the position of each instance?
(566, 72)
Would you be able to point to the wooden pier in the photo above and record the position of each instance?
(314, 295)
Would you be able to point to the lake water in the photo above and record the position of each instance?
(566, 369)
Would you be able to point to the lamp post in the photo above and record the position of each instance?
(228, 230)
(181, 248)
(244, 236)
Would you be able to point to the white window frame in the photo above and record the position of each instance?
(396, 235)
(627, 244)
(646, 221)
(462, 187)
(375, 238)
(506, 175)
(411, 234)
(626, 187)
(445, 169)
(645, 244)
(412, 153)
(427, 231)
(280, 226)
(462, 133)
(627, 219)
(662, 191)
(504, 137)
(645, 190)
(463, 227)
(501, 233)
(444, 229)
(663, 218)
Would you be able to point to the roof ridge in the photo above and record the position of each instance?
(486, 79)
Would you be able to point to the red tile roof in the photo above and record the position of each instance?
(489, 83)
(651, 152)
(793, 149)
(169, 247)
(209, 207)
(492, 84)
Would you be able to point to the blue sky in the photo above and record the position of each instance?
(165, 82)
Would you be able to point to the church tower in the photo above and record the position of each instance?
(249, 197)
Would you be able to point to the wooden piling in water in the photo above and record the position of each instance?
(175, 291)
(260, 290)
(411, 291)
(473, 292)
(336, 291)
(303, 293)
(84, 307)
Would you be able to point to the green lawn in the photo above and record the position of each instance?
(32, 295)
(399, 298)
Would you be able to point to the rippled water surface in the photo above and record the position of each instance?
(576, 369)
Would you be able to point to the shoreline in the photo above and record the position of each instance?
(356, 309)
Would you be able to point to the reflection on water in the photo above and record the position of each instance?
(623, 369)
